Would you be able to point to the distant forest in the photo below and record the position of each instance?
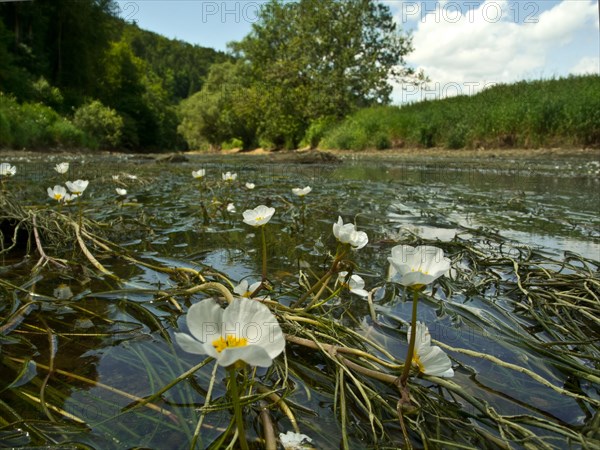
(315, 73)
(73, 74)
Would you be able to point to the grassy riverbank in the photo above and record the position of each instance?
(530, 114)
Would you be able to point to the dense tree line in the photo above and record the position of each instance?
(66, 55)
(305, 65)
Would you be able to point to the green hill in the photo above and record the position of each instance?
(60, 56)
(560, 112)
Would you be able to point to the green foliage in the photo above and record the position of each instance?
(34, 125)
(181, 67)
(47, 94)
(300, 64)
(527, 114)
(226, 108)
(102, 124)
(317, 129)
(64, 54)
(232, 143)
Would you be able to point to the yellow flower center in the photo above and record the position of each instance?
(230, 341)
(417, 362)
(259, 218)
(57, 196)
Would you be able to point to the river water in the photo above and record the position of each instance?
(118, 333)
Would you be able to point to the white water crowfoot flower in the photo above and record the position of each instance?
(301, 192)
(6, 170)
(230, 208)
(121, 191)
(244, 290)
(78, 186)
(355, 284)
(417, 266)
(431, 360)
(258, 216)
(62, 168)
(250, 186)
(228, 176)
(244, 331)
(57, 193)
(347, 234)
(199, 173)
(295, 441)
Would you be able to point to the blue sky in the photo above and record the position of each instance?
(463, 46)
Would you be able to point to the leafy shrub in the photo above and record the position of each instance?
(64, 134)
(232, 143)
(317, 130)
(382, 141)
(102, 124)
(47, 94)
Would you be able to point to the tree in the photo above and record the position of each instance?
(321, 58)
(226, 108)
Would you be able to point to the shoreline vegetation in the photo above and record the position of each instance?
(121, 88)
(531, 117)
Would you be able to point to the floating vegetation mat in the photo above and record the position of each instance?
(93, 292)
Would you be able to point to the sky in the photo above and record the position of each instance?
(462, 46)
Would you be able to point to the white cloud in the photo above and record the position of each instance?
(491, 43)
(587, 64)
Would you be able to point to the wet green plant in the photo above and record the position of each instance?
(99, 367)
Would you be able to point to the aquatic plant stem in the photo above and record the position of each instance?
(324, 279)
(411, 342)
(264, 254)
(237, 408)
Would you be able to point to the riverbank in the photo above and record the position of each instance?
(443, 153)
(396, 153)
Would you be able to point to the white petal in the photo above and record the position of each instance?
(422, 339)
(241, 289)
(436, 362)
(360, 292)
(255, 355)
(189, 344)
(251, 319)
(205, 319)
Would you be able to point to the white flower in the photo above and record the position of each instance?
(121, 191)
(301, 192)
(258, 216)
(77, 186)
(230, 207)
(295, 441)
(57, 193)
(347, 234)
(7, 170)
(417, 266)
(246, 330)
(115, 177)
(131, 177)
(355, 284)
(431, 360)
(228, 176)
(243, 290)
(198, 173)
(70, 197)
(250, 185)
(62, 167)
